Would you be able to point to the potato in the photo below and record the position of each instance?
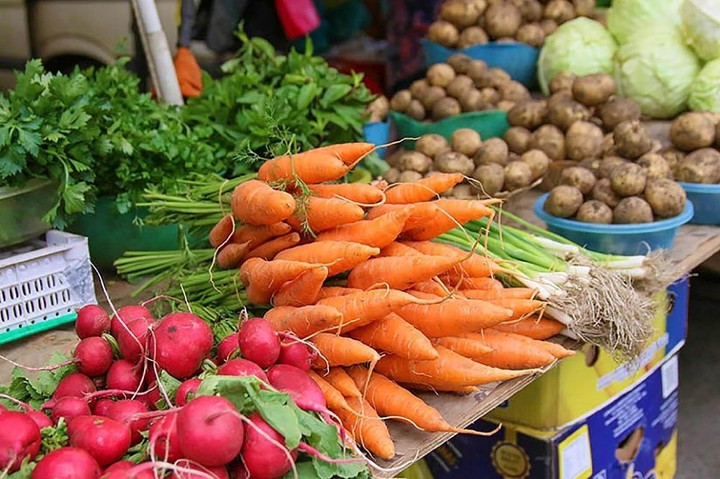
(517, 138)
(463, 191)
(532, 34)
(392, 175)
(608, 164)
(445, 108)
(531, 11)
(529, 114)
(562, 81)
(655, 166)
(502, 20)
(563, 201)
(632, 210)
(453, 162)
(431, 95)
(418, 87)
(498, 77)
(717, 135)
(471, 100)
(393, 158)
(493, 150)
(466, 141)
(700, 166)
(584, 8)
(632, 139)
(594, 211)
(617, 110)
(460, 13)
(559, 96)
(583, 140)
(401, 101)
(513, 157)
(603, 192)
(665, 197)
(489, 97)
(560, 11)
(692, 131)
(513, 91)
(478, 71)
(548, 26)
(409, 176)
(432, 145)
(592, 164)
(416, 110)
(608, 146)
(538, 162)
(378, 109)
(673, 157)
(444, 33)
(628, 179)
(491, 177)
(505, 105)
(415, 161)
(566, 112)
(459, 85)
(472, 36)
(580, 178)
(460, 62)
(517, 175)
(440, 74)
(592, 90)
(549, 139)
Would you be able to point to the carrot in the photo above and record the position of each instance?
(449, 370)
(420, 213)
(349, 153)
(324, 213)
(231, 255)
(367, 428)
(552, 348)
(335, 401)
(519, 307)
(305, 320)
(422, 190)
(256, 203)
(532, 327)
(449, 214)
(222, 231)
(308, 167)
(467, 347)
(453, 316)
(339, 379)
(270, 249)
(262, 278)
(472, 265)
(399, 272)
(473, 283)
(257, 235)
(341, 351)
(339, 255)
(378, 232)
(360, 309)
(303, 290)
(395, 335)
(332, 291)
(510, 353)
(433, 287)
(443, 388)
(498, 294)
(398, 249)
(355, 192)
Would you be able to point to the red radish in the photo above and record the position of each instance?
(264, 459)
(218, 472)
(127, 314)
(105, 439)
(2, 409)
(186, 388)
(227, 347)
(19, 438)
(119, 466)
(40, 418)
(242, 367)
(164, 440)
(92, 320)
(181, 342)
(238, 471)
(69, 407)
(296, 354)
(296, 382)
(132, 341)
(67, 463)
(131, 474)
(123, 375)
(210, 431)
(74, 385)
(259, 342)
(152, 397)
(101, 406)
(94, 356)
(123, 411)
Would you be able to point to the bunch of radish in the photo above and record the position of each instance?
(110, 403)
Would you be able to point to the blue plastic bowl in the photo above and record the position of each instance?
(616, 239)
(377, 133)
(706, 200)
(518, 59)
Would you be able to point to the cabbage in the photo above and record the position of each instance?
(705, 90)
(581, 46)
(625, 17)
(701, 25)
(656, 69)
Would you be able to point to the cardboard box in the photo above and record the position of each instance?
(632, 437)
(585, 382)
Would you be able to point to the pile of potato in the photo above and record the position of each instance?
(489, 165)
(460, 85)
(463, 23)
(694, 156)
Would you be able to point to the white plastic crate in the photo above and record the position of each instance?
(42, 283)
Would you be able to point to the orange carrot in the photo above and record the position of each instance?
(422, 190)
(395, 335)
(532, 327)
(360, 309)
(378, 232)
(509, 353)
(305, 320)
(420, 213)
(496, 294)
(467, 347)
(449, 370)
(256, 203)
(473, 283)
(472, 265)
(270, 249)
(551, 348)
(399, 272)
(303, 290)
(449, 214)
(519, 307)
(332, 291)
(222, 231)
(433, 287)
(262, 278)
(355, 192)
(325, 213)
(367, 428)
(453, 316)
(338, 255)
(339, 379)
(398, 249)
(442, 388)
(257, 235)
(335, 401)
(308, 167)
(341, 351)
(231, 255)
(349, 153)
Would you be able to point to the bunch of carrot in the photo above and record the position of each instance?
(351, 269)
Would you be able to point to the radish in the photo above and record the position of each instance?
(68, 408)
(164, 439)
(92, 320)
(263, 458)
(210, 431)
(94, 356)
(218, 472)
(152, 397)
(2, 409)
(132, 341)
(186, 391)
(74, 385)
(238, 471)
(105, 439)
(40, 419)
(67, 463)
(242, 367)
(120, 466)
(181, 342)
(123, 375)
(132, 473)
(296, 382)
(124, 410)
(126, 314)
(19, 438)
(101, 406)
(259, 342)
(296, 354)
(227, 347)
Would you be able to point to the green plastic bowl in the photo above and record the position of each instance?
(489, 124)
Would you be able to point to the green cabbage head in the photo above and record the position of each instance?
(581, 46)
(701, 26)
(656, 69)
(626, 17)
(705, 90)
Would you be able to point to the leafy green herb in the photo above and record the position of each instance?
(39, 390)
(54, 437)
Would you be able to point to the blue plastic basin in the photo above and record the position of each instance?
(518, 59)
(706, 200)
(628, 239)
(377, 133)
